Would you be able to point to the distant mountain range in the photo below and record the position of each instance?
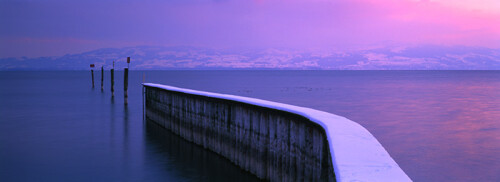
(159, 58)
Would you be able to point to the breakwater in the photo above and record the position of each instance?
(273, 141)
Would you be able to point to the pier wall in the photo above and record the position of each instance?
(272, 143)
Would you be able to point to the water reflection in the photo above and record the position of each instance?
(112, 122)
(189, 159)
(452, 128)
(126, 142)
(437, 125)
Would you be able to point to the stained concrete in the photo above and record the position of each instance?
(272, 144)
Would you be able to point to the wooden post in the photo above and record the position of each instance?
(102, 78)
(125, 85)
(92, 72)
(113, 80)
(125, 81)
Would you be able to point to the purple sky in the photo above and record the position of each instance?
(56, 27)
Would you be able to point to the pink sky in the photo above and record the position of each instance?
(56, 27)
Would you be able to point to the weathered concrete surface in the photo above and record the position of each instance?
(272, 144)
(209, 165)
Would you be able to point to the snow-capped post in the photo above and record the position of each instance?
(92, 72)
(113, 80)
(125, 81)
(102, 78)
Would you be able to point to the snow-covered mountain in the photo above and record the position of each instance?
(155, 58)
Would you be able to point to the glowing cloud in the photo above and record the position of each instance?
(346, 24)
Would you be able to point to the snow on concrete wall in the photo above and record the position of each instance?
(274, 141)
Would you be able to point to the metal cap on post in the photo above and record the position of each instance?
(128, 62)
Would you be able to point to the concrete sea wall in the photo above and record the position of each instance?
(273, 141)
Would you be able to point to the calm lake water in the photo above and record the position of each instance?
(437, 125)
